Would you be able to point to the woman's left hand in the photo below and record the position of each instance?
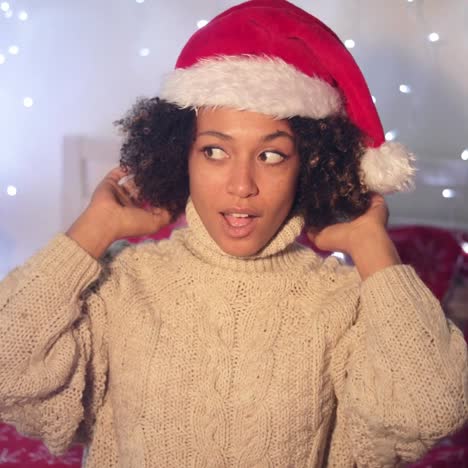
(340, 237)
(365, 238)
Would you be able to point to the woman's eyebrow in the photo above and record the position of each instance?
(266, 138)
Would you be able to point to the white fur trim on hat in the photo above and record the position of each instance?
(260, 84)
(388, 168)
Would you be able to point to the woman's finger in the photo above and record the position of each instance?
(128, 184)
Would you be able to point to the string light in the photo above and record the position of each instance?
(339, 255)
(391, 135)
(464, 155)
(465, 247)
(201, 23)
(433, 37)
(13, 50)
(448, 193)
(28, 102)
(140, 1)
(349, 43)
(144, 52)
(11, 191)
(405, 89)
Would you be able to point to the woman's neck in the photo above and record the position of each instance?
(280, 254)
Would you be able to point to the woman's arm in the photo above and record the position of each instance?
(53, 358)
(373, 251)
(51, 339)
(400, 372)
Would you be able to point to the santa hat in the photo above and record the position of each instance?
(270, 56)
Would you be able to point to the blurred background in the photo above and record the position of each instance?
(68, 69)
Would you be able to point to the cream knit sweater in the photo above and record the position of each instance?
(173, 354)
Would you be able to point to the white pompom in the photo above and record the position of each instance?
(388, 168)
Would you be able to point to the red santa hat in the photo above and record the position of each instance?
(270, 56)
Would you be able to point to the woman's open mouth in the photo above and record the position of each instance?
(238, 224)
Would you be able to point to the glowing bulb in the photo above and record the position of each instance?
(339, 255)
(391, 135)
(2, 59)
(465, 247)
(464, 155)
(201, 23)
(4, 6)
(13, 50)
(28, 102)
(23, 16)
(144, 52)
(405, 89)
(140, 1)
(11, 190)
(349, 43)
(448, 193)
(410, 1)
(433, 37)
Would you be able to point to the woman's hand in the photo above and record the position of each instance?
(119, 202)
(365, 239)
(113, 213)
(341, 237)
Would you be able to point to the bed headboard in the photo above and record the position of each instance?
(86, 160)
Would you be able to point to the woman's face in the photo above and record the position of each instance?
(243, 169)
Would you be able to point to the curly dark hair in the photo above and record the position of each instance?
(159, 135)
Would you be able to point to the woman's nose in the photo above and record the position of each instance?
(242, 180)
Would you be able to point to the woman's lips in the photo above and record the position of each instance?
(238, 227)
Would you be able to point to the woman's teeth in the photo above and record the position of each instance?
(238, 219)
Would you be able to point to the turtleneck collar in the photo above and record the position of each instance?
(281, 253)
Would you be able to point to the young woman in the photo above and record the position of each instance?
(230, 344)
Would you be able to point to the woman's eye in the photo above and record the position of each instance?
(212, 152)
(270, 157)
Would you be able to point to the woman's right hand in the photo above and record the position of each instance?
(113, 213)
(118, 202)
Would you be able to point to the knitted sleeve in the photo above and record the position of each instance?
(53, 359)
(400, 373)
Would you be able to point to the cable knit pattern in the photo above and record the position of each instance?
(174, 354)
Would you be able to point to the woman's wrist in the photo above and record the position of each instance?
(373, 250)
(90, 233)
